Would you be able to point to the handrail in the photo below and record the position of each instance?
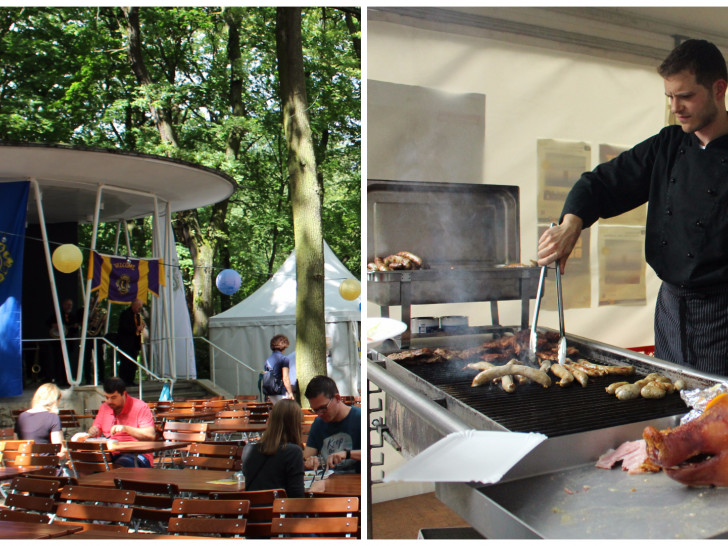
(234, 358)
(116, 350)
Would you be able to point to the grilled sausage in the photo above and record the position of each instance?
(380, 264)
(565, 376)
(507, 383)
(512, 368)
(614, 386)
(656, 389)
(578, 374)
(416, 260)
(629, 391)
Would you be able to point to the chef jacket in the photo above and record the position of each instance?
(686, 240)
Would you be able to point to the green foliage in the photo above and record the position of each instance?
(65, 77)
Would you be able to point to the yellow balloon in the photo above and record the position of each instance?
(67, 258)
(350, 289)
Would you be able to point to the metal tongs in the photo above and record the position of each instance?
(534, 334)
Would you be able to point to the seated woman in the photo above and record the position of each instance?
(276, 462)
(41, 422)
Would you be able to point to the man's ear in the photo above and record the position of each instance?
(719, 88)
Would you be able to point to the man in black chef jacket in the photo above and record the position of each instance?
(682, 172)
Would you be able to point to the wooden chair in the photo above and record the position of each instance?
(10, 449)
(152, 506)
(248, 397)
(51, 474)
(86, 506)
(214, 457)
(88, 457)
(260, 513)
(209, 517)
(7, 433)
(31, 499)
(177, 430)
(32, 454)
(232, 414)
(322, 517)
(69, 419)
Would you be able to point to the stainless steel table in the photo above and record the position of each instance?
(586, 502)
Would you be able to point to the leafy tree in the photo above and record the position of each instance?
(199, 84)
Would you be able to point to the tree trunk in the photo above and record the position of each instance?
(161, 115)
(305, 200)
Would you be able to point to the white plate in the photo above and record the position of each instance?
(380, 329)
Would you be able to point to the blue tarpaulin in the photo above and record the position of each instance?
(13, 203)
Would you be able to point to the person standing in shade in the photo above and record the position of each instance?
(335, 434)
(277, 365)
(129, 339)
(70, 324)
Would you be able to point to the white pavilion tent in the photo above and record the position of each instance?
(245, 330)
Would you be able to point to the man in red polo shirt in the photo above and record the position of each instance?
(125, 419)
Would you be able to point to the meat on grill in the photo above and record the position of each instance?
(502, 350)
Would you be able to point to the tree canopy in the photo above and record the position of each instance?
(198, 84)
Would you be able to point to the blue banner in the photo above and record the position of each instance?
(13, 204)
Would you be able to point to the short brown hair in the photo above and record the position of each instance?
(279, 342)
(700, 57)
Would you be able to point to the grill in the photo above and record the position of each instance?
(555, 411)
(466, 233)
(555, 491)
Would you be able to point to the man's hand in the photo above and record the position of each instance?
(557, 243)
(335, 458)
(311, 463)
(94, 432)
(116, 429)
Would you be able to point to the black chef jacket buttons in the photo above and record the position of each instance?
(672, 181)
(711, 192)
(724, 161)
(690, 255)
(699, 224)
(668, 212)
(682, 150)
(663, 242)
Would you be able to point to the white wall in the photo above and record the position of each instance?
(531, 93)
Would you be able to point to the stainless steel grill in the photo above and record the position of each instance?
(581, 424)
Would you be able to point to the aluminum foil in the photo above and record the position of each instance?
(697, 399)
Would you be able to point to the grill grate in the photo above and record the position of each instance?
(554, 411)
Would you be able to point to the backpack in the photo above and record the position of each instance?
(271, 384)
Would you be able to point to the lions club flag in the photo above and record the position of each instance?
(13, 204)
(124, 280)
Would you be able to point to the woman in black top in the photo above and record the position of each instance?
(41, 422)
(276, 462)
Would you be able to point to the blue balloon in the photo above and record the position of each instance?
(228, 281)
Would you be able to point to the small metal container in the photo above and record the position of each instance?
(425, 325)
(455, 323)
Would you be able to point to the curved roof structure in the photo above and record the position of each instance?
(70, 176)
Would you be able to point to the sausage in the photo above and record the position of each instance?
(579, 375)
(416, 260)
(654, 389)
(629, 391)
(512, 368)
(679, 385)
(371, 266)
(563, 374)
(482, 365)
(614, 386)
(507, 383)
(380, 264)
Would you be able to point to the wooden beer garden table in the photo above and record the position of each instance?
(186, 415)
(344, 485)
(188, 480)
(147, 446)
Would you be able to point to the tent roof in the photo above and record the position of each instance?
(69, 177)
(275, 301)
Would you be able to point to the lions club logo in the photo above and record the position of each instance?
(6, 261)
(122, 284)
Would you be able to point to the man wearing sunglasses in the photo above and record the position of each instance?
(335, 434)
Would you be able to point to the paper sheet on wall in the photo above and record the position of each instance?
(470, 456)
